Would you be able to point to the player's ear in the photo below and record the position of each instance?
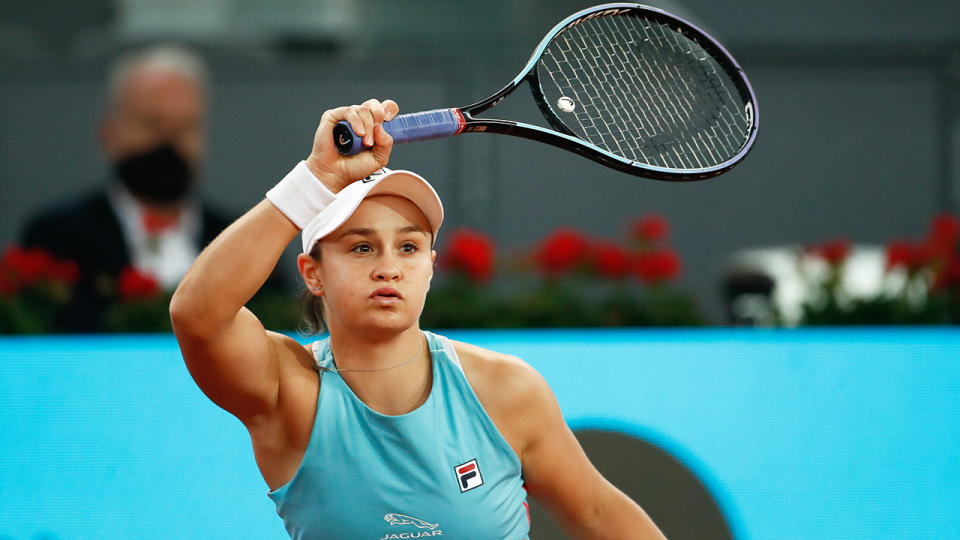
(433, 267)
(308, 266)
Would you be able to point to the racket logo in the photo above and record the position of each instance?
(566, 104)
(343, 140)
(468, 475)
(748, 111)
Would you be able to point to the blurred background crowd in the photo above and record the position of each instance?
(132, 132)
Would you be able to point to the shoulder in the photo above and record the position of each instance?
(483, 364)
(502, 382)
(512, 393)
(292, 352)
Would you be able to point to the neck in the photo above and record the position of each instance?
(352, 351)
(395, 389)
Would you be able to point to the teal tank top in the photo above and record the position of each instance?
(441, 470)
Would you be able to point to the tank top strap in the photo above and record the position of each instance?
(442, 349)
(322, 355)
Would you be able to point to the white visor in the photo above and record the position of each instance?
(406, 184)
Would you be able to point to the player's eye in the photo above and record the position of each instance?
(362, 247)
(409, 247)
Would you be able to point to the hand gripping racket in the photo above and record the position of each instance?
(629, 86)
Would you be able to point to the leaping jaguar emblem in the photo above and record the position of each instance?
(400, 519)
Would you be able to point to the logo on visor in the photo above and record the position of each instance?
(375, 176)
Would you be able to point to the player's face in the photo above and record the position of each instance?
(376, 268)
(154, 108)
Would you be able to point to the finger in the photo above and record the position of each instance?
(366, 116)
(330, 118)
(376, 110)
(390, 109)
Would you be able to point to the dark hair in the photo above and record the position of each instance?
(314, 319)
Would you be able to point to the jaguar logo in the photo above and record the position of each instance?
(401, 519)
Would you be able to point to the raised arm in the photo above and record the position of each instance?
(232, 358)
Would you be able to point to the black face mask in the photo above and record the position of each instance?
(159, 175)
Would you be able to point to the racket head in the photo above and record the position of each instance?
(644, 91)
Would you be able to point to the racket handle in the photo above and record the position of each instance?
(419, 126)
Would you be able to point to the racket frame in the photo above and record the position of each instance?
(561, 136)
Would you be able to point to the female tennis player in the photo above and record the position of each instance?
(382, 430)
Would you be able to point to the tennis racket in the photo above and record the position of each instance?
(627, 85)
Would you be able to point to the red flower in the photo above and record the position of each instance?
(562, 251)
(24, 267)
(949, 277)
(651, 228)
(944, 231)
(903, 253)
(833, 252)
(28, 264)
(656, 266)
(610, 260)
(136, 285)
(8, 284)
(472, 253)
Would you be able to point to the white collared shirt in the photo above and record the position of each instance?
(167, 254)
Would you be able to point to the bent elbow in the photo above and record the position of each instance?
(185, 314)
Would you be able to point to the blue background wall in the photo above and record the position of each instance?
(798, 434)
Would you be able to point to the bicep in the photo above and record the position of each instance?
(238, 368)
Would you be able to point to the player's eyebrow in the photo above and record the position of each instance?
(411, 228)
(361, 231)
(367, 231)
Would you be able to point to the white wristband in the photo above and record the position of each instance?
(300, 196)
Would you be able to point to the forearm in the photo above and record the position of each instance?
(617, 517)
(231, 269)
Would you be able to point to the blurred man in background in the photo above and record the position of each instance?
(149, 216)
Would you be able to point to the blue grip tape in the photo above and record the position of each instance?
(412, 127)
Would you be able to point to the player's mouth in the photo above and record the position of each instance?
(386, 295)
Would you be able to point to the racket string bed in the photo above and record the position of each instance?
(650, 113)
(718, 93)
(610, 133)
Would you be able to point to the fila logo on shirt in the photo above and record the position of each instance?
(468, 475)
